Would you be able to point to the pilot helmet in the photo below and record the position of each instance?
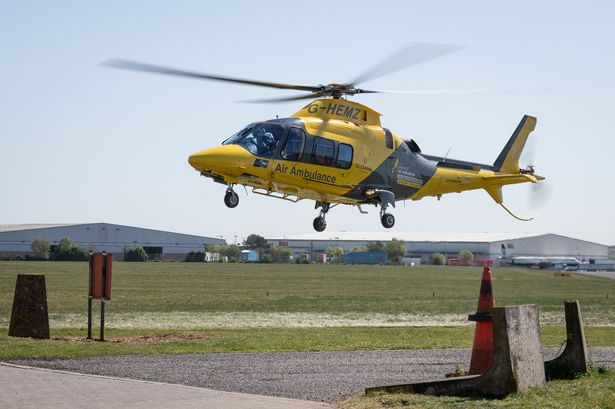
(267, 138)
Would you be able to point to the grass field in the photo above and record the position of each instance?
(71, 342)
(594, 390)
(276, 303)
(143, 291)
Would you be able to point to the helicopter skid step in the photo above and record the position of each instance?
(283, 196)
(284, 191)
(297, 195)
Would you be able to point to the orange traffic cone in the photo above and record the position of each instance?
(482, 350)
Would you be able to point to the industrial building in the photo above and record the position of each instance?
(496, 247)
(15, 239)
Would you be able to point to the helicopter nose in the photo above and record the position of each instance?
(198, 160)
(227, 159)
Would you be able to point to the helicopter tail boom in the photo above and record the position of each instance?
(508, 160)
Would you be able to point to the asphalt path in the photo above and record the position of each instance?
(315, 376)
(603, 274)
(23, 387)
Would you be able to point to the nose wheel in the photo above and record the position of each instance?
(231, 199)
(320, 223)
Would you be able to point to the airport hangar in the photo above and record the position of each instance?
(421, 245)
(15, 239)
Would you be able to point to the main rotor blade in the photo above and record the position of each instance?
(411, 92)
(137, 66)
(408, 56)
(477, 91)
(285, 99)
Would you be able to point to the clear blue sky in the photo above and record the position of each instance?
(81, 143)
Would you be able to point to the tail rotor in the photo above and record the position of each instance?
(540, 193)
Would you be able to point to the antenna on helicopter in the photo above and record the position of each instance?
(445, 156)
(514, 215)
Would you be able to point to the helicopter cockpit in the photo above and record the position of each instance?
(259, 139)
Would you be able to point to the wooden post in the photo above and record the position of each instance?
(99, 288)
(90, 299)
(103, 296)
(29, 317)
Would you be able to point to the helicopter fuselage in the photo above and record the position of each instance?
(336, 151)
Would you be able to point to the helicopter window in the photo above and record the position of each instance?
(261, 140)
(344, 156)
(294, 144)
(237, 136)
(322, 154)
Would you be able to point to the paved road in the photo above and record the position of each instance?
(314, 376)
(35, 388)
(603, 274)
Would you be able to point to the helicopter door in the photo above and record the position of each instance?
(344, 156)
(343, 160)
(322, 151)
(293, 147)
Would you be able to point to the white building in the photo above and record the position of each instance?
(15, 239)
(422, 244)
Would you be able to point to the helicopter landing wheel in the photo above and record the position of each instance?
(231, 199)
(319, 224)
(387, 220)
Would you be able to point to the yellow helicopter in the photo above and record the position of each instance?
(335, 151)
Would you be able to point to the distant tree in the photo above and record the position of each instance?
(335, 253)
(214, 248)
(279, 254)
(258, 243)
(40, 248)
(466, 258)
(437, 259)
(66, 250)
(357, 249)
(195, 257)
(135, 254)
(211, 248)
(396, 250)
(375, 246)
(302, 259)
(231, 251)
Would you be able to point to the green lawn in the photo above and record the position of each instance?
(160, 298)
(71, 342)
(201, 287)
(591, 391)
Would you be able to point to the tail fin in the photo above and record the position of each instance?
(508, 161)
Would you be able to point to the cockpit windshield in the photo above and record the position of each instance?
(237, 136)
(259, 139)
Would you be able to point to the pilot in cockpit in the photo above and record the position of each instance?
(265, 142)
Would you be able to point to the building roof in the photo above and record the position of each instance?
(413, 236)
(19, 227)
(96, 227)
